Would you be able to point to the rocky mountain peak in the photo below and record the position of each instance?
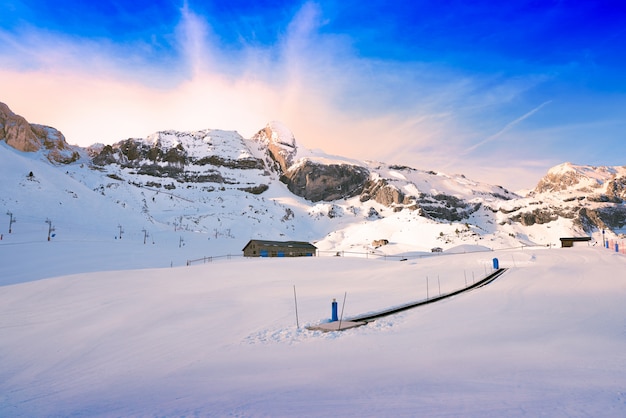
(314, 179)
(280, 143)
(571, 177)
(27, 137)
(16, 131)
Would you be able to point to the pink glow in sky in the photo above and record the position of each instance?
(433, 113)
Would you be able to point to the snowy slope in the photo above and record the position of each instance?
(221, 339)
(137, 220)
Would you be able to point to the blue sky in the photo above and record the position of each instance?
(499, 92)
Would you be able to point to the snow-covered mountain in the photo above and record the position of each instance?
(217, 188)
(112, 332)
(591, 197)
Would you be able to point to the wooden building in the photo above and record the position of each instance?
(263, 248)
(569, 241)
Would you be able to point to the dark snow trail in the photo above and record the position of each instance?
(483, 282)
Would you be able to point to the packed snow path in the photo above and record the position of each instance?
(372, 316)
(357, 321)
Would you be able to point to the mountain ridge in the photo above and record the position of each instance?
(232, 189)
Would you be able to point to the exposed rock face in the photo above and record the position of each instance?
(196, 157)
(439, 206)
(327, 182)
(280, 144)
(557, 182)
(135, 152)
(305, 178)
(616, 190)
(377, 243)
(609, 217)
(591, 196)
(383, 193)
(446, 207)
(26, 137)
(16, 131)
(543, 216)
(571, 177)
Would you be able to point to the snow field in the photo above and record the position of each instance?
(220, 339)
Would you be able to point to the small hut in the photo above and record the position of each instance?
(263, 248)
(569, 241)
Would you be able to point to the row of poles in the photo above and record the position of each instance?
(613, 244)
(12, 220)
(51, 230)
(618, 246)
(334, 305)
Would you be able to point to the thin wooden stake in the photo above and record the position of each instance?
(342, 306)
(296, 302)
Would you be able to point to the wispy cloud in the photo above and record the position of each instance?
(506, 128)
(422, 114)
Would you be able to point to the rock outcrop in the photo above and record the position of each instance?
(571, 177)
(314, 181)
(16, 131)
(27, 137)
(197, 157)
(135, 152)
(384, 193)
(377, 243)
(592, 197)
(280, 144)
(616, 190)
(327, 182)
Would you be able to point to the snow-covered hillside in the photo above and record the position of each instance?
(179, 196)
(208, 192)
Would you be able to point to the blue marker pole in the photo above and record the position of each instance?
(334, 316)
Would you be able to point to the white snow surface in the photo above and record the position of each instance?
(548, 338)
(94, 325)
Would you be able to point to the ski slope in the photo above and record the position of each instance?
(548, 338)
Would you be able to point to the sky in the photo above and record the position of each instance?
(498, 92)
